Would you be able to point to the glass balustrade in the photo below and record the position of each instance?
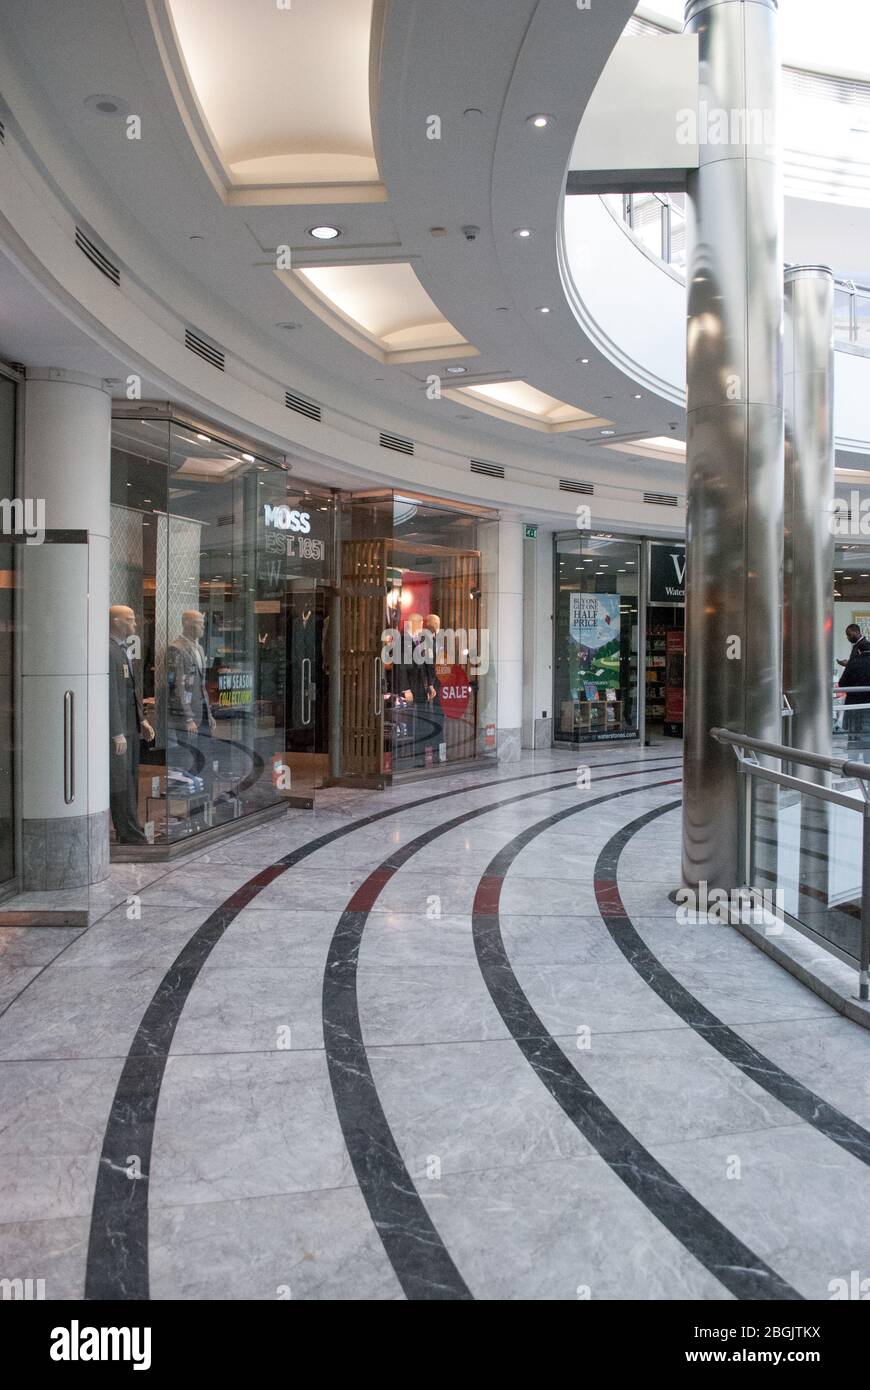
(658, 222)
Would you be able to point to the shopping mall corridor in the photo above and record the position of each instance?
(443, 1041)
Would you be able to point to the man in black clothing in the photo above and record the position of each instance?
(126, 727)
(856, 672)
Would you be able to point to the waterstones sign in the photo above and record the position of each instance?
(667, 575)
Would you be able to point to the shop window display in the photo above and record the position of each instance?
(199, 633)
(596, 633)
(418, 674)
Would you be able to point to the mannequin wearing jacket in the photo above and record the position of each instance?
(126, 727)
(190, 720)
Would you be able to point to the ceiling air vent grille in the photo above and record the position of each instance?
(204, 349)
(302, 406)
(661, 499)
(396, 442)
(2, 133)
(490, 470)
(569, 485)
(97, 257)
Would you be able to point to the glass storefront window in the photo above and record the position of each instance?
(418, 670)
(595, 670)
(210, 545)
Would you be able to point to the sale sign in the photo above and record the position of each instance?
(455, 692)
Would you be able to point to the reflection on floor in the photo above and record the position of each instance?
(444, 1041)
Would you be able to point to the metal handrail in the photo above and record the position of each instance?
(843, 766)
(751, 767)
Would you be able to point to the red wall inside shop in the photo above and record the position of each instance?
(416, 594)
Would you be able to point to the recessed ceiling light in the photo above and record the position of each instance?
(106, 105)
(540, 121)
(523, 232)
(544, 309)
(584, 361)
(638, 396)
(204, 437)
(456, 371)
(608, 431)
(249, 458)
(288, 326)
(324, 233)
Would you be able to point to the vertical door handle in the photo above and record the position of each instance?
(69, 747)
(379, 694)
(306, 690)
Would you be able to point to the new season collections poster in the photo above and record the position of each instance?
(595, 639)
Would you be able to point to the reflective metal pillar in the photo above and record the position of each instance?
(808, 561)
(734, 423)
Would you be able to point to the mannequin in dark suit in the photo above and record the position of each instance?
(418, 681)
(191, 722)
(126, 727)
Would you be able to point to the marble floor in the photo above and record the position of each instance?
(446, 1041)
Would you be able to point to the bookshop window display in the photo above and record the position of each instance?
(665, 637)
(595, 668)
(197, 632)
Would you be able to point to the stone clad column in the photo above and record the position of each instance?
(734, 422)
(64, 626)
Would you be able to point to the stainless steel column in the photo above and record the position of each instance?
(735, 422)
(808, 562)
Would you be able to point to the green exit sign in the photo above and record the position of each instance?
(531, 533)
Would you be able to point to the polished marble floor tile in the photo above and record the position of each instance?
(564, 1231)
(796, 1199)
(53, 1121)
(259, 1125)
(53, 1250)
(310, 1245)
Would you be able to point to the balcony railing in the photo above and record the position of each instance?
(806, 844)
(658, 222)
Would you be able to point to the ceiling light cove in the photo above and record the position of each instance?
(276, 99)
(661, 447)
(521, 404)
(382, 309)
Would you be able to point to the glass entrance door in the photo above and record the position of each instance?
(50, 845)
(307, 687)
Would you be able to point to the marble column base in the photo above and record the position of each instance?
(68, 852)
(510, 745)
(543, 733)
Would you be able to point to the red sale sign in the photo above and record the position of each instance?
(455, 692)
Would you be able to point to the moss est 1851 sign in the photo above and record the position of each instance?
(455, 691)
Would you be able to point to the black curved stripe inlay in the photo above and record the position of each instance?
(717, 1248)
(778, 1083)
(416, 1251)
(117, 1265)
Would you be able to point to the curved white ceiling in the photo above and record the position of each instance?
(283, 90)
(833, 38)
